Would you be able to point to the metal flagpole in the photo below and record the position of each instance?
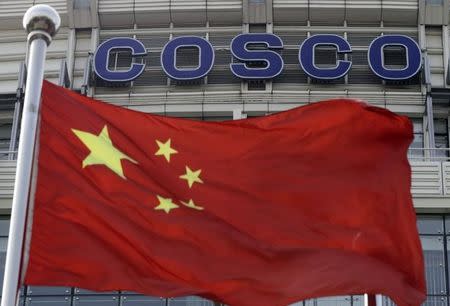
(372, 300)
(41, 22)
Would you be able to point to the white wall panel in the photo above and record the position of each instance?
(7, 175)
(148, 13)
(82, 49)
(327, 12)
(113, 13)
(224, 12)
(11, 13)
(400, 12)
(446, 177)
(290, 11)
(12, 53)
(187, 12)
(363, 11)
(434, 48)
(59, 5)
(426, 178)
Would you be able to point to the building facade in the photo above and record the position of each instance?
(220, 95)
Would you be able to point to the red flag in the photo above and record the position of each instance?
(305, 203)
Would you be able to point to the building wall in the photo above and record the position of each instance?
(86, 23)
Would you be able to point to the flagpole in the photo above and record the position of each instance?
(41, 22)
(372, 300)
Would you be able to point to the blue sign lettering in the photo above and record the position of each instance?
(307, 60)
(205, 58)
(265, 47)
(239, 49)
(376, 57)
(101, 59)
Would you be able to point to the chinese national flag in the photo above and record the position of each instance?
(266, 211)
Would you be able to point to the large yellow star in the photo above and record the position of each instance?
(192, 205)
(192, 176)
(103, 151)
(165, 204)
(165, 149)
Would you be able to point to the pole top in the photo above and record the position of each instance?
(42, 18)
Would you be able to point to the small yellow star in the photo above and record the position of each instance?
(191, 204)
(103, 152)
(192, 176)
(165, 204)
(165, 149)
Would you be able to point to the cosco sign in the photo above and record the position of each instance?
(241, 51)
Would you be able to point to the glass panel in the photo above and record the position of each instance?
(3, 244)
(387, 301)
(190, 301)
(4, 227)
(447, 224)
(139, 300)
(430, 224)
(441, 137)
(436, 301)
(416, 148)
(100, 300)
(45, 290)
(330, 301)
(358, 300)
(47, 301)
(395, 57)
(434, 264)
(85, 291)
(187, 57)
(5, 134)
(434, 2)
(325, 56)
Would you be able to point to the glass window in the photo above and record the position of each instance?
(441, 137)
(85, 291)
(139, 300)
(447, 224)
(120, 59)
(257, 28)
(189, 301)
(394, 57)
(416, 148)
(325, 56)
(45, 290)
(5, 137)
(47, 301)
(434, 2)
(431, 224)
(433, 248)
(4, 230)
(330, 301)
(387, 301)
(187, 57)
(256, 85)
(96, 300)
(436, 301)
